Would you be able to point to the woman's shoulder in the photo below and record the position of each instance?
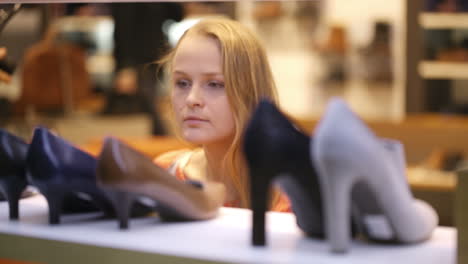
(166, 159)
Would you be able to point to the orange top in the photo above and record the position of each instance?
(175, 162)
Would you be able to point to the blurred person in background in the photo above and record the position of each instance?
(138, 41)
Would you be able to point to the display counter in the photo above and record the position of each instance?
(88, 238)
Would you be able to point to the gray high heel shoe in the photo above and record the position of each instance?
(359, 175)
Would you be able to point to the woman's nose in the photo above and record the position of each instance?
(195, 96)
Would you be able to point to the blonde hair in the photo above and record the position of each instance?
(247, 79)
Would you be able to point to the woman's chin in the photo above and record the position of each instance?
(196, 139)
(200, 137)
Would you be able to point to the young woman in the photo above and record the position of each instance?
(218, 74)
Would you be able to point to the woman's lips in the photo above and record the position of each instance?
(193, 120)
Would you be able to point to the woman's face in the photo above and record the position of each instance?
(199, 97)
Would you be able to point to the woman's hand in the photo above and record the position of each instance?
(4, 77)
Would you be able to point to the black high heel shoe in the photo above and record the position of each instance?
(276, 150)
(60, 170)
(12, 170)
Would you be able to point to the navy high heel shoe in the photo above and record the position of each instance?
(276, 150)
(12, 170)
(60, 171)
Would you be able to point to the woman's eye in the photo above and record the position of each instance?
(216, 84)
(182, 84)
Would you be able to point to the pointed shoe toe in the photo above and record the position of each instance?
(429, 221)
(126, 175)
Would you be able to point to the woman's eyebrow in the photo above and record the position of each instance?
(179, 72)
(212, 73)
(203, 73)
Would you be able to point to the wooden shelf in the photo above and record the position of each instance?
(421, 178)
(151, 146)
(444, 20)
(443, 70)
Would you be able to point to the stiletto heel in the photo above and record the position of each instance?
(276, 151)
(54, 200)
(259, 200)
(129, 174)
(13, 204)
(12, 170)
(61, 172)
(122, 203)
(337, 209)
(353, 163)
(13, 196)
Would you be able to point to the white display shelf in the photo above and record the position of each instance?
(443, 70)
(444, 20)
(87, 239)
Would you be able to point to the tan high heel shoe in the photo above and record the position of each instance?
(126, 174)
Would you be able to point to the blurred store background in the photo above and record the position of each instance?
(317, 49)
